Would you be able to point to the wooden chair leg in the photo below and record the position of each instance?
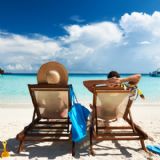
(73, 148)
(21, 147)
(20, 137)
(138, 129)
(143, 145)
(131, 120)
(91, 142)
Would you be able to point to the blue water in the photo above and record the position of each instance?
(13, 88)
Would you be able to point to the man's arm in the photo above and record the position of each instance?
(90, 84)
(134, 79)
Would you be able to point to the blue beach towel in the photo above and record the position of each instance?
(78, 116)
(154, 149)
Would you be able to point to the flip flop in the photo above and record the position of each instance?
(158, 147)
(154, 149)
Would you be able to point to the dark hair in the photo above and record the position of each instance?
(113, 74)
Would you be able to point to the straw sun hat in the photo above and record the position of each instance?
(52, 73)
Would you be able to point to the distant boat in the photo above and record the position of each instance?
(1, 71)
(155, 73)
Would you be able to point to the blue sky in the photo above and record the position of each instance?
(85, 35)
(48, 17)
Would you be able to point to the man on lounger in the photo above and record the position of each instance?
(114, 80)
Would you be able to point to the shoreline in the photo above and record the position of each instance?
(86, 103)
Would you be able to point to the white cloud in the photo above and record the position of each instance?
(144, 42)
(19, 67)
(98, 34)
(134, 21)
(143, 36)
(141, 23)
(131, 45)
(77, 19)
(20, 53)
(18, 43)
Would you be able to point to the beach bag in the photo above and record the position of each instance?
(78, 116)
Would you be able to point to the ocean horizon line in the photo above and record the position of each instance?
(73, 73)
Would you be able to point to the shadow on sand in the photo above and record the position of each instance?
(56, 149)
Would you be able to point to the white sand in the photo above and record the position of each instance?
(13, 118)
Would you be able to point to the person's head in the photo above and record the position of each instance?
(113, 74)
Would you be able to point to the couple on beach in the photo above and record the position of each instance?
(55, 73)
(52, 101)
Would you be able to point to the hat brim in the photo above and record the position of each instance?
(45, 68)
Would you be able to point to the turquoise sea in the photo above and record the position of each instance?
(13, 87)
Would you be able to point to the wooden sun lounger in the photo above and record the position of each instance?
(110, 104)
(50, 120)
